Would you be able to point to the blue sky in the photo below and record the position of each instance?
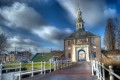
(43, 24)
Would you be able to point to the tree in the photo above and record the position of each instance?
(3, 42)
(117, 32)
(112, 34)
(109, 38)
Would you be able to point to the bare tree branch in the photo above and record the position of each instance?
(3, 42)
(112, 34)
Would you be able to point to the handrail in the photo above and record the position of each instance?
(117, 76)
(100, 69)
(43, 66)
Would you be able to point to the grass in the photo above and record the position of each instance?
(28, 66)
(43, 57)
(37, 59)
(11, 65)
(37, 65)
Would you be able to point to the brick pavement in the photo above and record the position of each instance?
(78, 71)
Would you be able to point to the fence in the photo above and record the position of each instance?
(34, 67)
(99, 68)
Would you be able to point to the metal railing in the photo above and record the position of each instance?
(42, 68)
(98, 69)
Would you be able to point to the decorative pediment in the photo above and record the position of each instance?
(81, 41)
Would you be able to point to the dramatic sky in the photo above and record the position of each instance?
(43, 24)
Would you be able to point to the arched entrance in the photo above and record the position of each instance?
(81, 55)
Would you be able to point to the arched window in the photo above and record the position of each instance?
(69, 55)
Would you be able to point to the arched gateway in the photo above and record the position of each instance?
(81, 55)
(81, 44)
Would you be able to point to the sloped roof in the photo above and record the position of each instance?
(58, 54)
(81, 33)
(114, 52)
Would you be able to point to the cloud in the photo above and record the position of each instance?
(21, 15)
(52, 34)
(70, 6)
(22, 44)
(21, 41)
(109, 12)
(1, 31)
(92, 10)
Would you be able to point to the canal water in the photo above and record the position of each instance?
(9, 76)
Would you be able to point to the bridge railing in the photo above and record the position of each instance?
(33, 67)
(98, 69)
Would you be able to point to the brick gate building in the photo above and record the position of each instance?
(82, 45)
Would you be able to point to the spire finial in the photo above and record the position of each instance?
(78, 4)
(79, 21)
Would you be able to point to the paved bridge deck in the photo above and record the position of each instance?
(78, 71)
